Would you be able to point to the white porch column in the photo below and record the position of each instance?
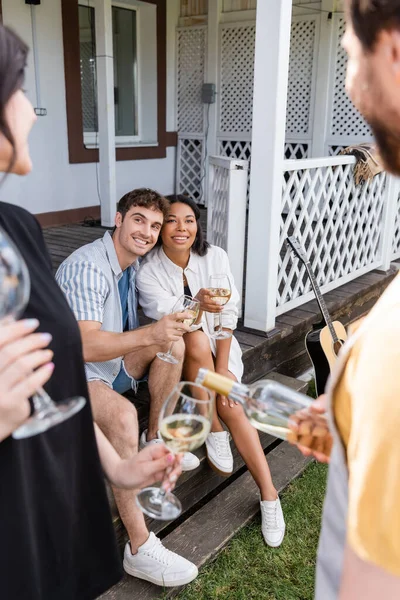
(106, 116)
(271, 67)
(211, 76)
(322, 92)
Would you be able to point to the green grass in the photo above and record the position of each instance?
(249, 570)
(312, 391)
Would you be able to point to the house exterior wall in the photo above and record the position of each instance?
(55, 184)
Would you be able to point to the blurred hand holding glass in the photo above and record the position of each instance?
(184, 423)
(14, 296)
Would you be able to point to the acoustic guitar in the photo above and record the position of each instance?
(326, 338)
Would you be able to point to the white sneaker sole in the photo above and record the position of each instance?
(274, 544)
(217, 468)
(147, 577)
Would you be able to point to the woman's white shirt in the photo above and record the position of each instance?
(160, 284)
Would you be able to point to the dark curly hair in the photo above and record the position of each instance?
(200, 244)
(13, 55)
(370, 17)
(143, 197)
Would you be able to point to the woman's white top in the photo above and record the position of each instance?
(160, 284)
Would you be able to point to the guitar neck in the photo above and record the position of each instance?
(321, 303)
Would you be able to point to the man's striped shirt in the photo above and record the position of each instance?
(89, 279)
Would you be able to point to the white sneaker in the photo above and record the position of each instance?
(272, 522)
(158, 565)
(189, 460)
(219, 452)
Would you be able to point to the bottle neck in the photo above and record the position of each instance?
(222, 385)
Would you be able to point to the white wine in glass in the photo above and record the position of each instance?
(184, 424)
(220, 291)
(183, 304)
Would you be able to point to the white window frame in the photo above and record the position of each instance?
(90, 139)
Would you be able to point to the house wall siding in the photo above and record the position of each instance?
(54, 183)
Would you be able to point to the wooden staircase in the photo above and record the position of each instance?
(214, 507)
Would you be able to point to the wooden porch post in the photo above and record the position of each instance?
(273, 24)
(106, 118)
(322, 92)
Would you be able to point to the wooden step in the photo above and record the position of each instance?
(210, 528)
(197, 487)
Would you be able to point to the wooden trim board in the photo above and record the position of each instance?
(78, 153)
(65, 217)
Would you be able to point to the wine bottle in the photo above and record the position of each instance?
(269, 405)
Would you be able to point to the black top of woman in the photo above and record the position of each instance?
(56, 534)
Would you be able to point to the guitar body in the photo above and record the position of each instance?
(322, 343)
(323, 352)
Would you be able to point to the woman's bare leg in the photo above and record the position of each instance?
(198, 355)
(249, 447)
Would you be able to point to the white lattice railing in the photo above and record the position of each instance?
(396, 236)
(191, 175)
(339, 225)
(226, 215)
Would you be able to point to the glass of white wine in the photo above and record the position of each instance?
(184, 423)
(220, 291)
(184, 304)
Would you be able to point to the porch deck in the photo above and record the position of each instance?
(215, 507)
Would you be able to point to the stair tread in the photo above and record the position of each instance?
(201, 536)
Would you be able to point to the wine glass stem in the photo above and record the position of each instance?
(162, 492)
(170, 349)
(219, 323)
(42, 401)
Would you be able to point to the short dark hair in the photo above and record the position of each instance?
(200, 244)
(13, 55)
(143, 197)
(370, 17)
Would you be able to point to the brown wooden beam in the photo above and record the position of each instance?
(65, 217)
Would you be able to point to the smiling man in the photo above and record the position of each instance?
(359, 549)
(98, 281)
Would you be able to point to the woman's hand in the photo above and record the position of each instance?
(310, 433)
(223, 399)
(207, 302)
(153, 463)
(24, 367)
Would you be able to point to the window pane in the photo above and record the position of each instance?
(125, 71)
(87, 45)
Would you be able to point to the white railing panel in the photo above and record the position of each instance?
(191, 167)
(339, 224)
(226, 215)
(396, 237)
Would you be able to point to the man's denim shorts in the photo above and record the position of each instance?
(124, 382)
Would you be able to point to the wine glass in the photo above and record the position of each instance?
(14, 295)
(220, 290)
(183, 304)
(184, 424)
